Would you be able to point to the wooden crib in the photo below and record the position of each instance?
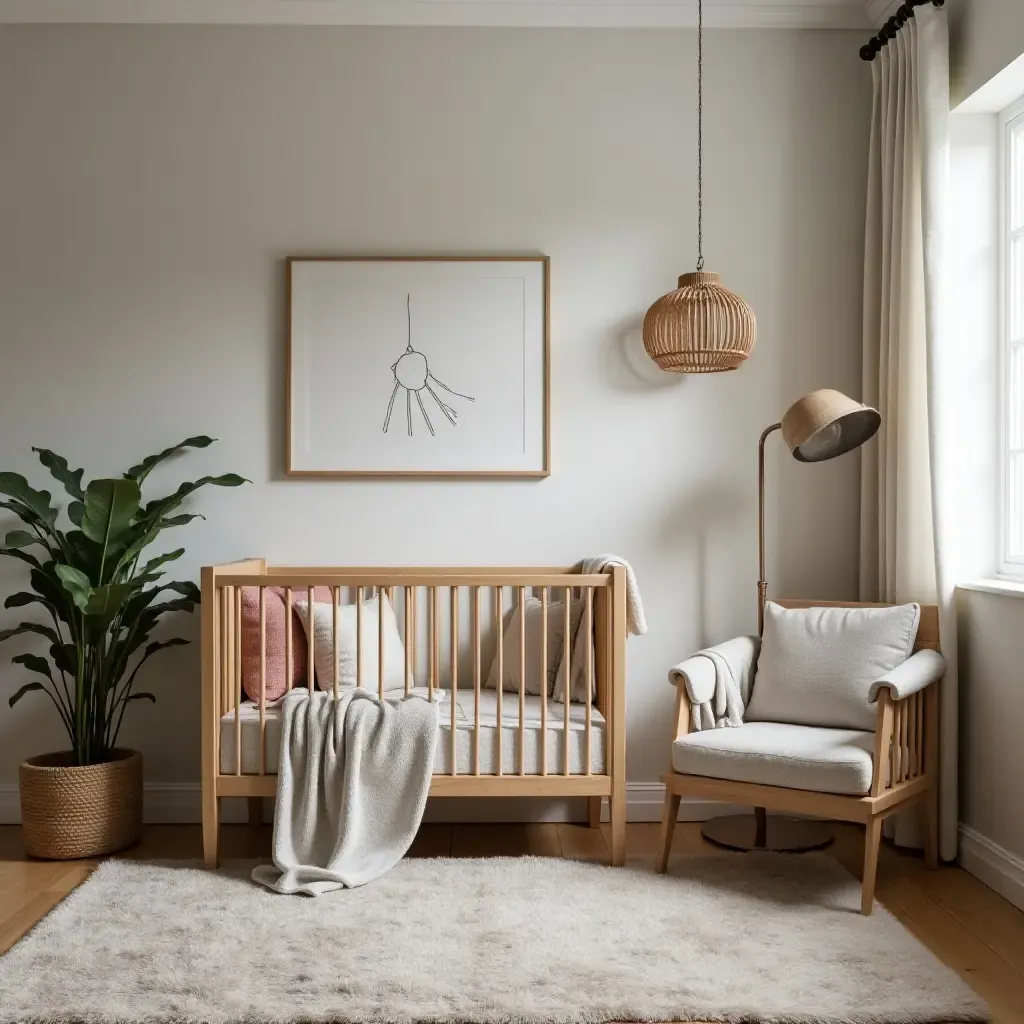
(492, 743)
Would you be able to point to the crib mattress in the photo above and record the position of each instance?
(249, 717)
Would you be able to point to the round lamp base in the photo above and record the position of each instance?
(780, 835)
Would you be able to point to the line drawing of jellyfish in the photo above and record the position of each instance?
(412, 372)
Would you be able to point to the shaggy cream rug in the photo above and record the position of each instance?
(496, 941)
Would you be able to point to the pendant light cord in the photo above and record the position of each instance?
(700, 135)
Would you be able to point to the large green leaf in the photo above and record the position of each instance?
(34, 664)
(59, 470)
(110, 506)
(20, 539)
(140, 696)
(14, 485)
(76, 512)
(30, 627)
(87, 554)
(21, 599)
(27, 688)
(182, 520)
(144, 468)
(64, 656)
(77, 584)
(154, 563)
(106, 601)
(161, 506)
(22, 556)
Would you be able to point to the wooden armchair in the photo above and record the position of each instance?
(903, 767)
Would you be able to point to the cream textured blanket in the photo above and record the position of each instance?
(718, 681)
(352, 784)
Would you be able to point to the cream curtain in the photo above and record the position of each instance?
(907, 548)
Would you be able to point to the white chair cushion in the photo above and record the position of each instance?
(817, 665)
(775, 754)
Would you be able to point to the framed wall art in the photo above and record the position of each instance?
(418, 367)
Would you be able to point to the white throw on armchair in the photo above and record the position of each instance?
(834, 713)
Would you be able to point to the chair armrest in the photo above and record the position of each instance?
(697, 676)
(918, 671)
(698, 673)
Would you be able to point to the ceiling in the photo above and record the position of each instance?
(538, 13)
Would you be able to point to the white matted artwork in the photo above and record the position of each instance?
(418, 366)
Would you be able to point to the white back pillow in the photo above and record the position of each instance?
(322, 639)
(540, 677)
(817, 664)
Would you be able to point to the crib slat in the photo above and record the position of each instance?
(544, 680)
(289, 666)
(522, 680)
(263, 680)
(310, 633)
(381, 598)
(588, 639)
(236, 642)
(222, 632)
(567, 692)
(499, 614)
(410, 634)
(476, 680)
(359, 638)
(335, 644)
(454, 655)
(432, 646)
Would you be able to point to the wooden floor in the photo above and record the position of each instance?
(975, 931)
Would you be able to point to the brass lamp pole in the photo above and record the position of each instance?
(817, 427)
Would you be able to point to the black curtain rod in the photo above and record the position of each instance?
(903, 14)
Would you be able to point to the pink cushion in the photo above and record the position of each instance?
(277, 664)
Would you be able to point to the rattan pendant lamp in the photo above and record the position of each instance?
(701, 327)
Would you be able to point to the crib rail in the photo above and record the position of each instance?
(454, 626)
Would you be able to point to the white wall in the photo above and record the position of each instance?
(985, 36)
(153, 179)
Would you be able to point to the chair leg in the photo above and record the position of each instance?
(617, 815)
(255, 810)
(211, 826)
(594, 810)
(872, 839)
(930, 826)
(669, 814)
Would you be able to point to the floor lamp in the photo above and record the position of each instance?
(817, 427)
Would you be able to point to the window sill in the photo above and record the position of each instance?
(1003, 588)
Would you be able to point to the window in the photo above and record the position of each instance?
(1012, 333)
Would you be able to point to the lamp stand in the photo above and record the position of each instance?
(758, 831)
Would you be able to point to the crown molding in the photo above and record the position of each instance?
(880, 11)
(826, 14)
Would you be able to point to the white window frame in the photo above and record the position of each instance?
(1010, 566)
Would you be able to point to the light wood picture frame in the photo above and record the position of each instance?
(432, 366)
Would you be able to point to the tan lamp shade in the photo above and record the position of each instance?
(825, 424)
(701, 327)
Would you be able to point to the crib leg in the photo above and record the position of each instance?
(617, 814)
(211, 826)
(594, 810)
(255, 810)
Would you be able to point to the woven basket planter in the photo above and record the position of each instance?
(70, 811)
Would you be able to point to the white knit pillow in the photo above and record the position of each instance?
(817, 665)
(323, 644)
(511, 669)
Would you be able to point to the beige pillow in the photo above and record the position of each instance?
(817, 665)
(536, 671)
(323, 644)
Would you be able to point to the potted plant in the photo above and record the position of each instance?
(103, 603)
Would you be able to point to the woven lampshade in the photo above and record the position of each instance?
(825, 424)
(702, 327)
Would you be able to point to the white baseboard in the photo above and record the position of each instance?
(999, 869)
(180, 803)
